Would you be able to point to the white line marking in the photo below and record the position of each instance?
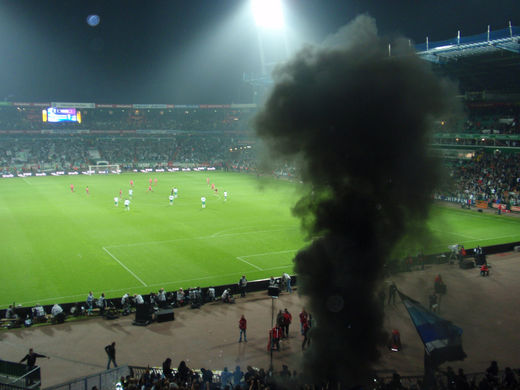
(247, 262)
(456, 234)
(441, 246)
(493, 238)
(243, 258)
(57, 299)
(219, 233)
(497, 237)
(27, 181)
(466, 213)
(125, 267)
(271, 253)
(197, 238)
(216, 234)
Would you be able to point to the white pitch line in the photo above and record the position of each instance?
(242, 258)
(495, 238)
(453, 233)
(466, 214)
(247, 262)
(490, 238)
(271, 253)
(197, 238)
(216, 234)
(219, 233)
(125, 267)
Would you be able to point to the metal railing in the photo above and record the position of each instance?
(103, 381)
(18, 376)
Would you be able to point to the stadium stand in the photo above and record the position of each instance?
(130, 137)
(493, 177)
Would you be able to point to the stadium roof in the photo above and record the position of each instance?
(489, 61)
(482, 62)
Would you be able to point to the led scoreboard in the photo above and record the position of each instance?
(53, 115)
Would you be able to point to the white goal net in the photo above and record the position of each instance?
(104, 169)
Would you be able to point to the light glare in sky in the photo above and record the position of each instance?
(268, 13)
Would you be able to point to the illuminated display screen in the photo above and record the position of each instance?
(53, 115)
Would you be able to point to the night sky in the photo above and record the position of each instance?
(189, 51)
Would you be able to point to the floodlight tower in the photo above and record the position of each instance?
(268, 16)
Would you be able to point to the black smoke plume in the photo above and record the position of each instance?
(357, 121)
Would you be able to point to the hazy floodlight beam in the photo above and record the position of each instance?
(268, 14)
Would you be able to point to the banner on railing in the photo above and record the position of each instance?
(482, 204)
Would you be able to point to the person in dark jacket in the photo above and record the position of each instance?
(237, 376)
(111, 353)
(392, 290)
(306, 338)
(207, 376)
(183, 372)
(167, 369)
(31, 358)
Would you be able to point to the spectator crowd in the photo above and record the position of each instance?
(256, 379)
(489, 176)
(45, 153)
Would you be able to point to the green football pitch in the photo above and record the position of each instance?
(57, 244)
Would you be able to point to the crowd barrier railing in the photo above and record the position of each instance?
(103, 380)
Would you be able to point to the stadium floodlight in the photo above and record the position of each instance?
(268, 14)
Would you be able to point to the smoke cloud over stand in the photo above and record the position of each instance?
(357, 122)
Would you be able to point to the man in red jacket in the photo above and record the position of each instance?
(275, 338)
(484, 270)
(242, 325)
(287, 321)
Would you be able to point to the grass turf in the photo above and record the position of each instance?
(58, 244)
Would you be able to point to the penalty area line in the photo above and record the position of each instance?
(247, 262)
(125, 267)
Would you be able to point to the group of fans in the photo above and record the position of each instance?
(489, 176)
(257, 379)
(44, 153)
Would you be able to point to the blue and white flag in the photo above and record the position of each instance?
(442, 340)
